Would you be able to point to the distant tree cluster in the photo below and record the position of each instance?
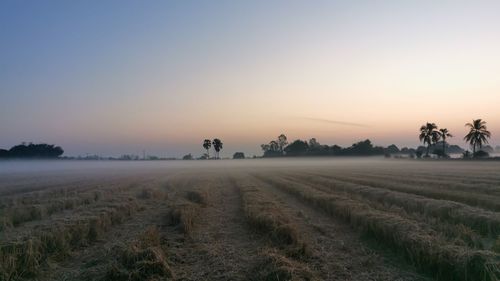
(280, 148)
(216, 144)
(239, 155)
(431, 136)
(32, 151)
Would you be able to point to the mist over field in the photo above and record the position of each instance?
(283, 140)
(298, 218)
(57, 168)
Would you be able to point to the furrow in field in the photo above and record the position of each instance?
(24, 255)
(423, 247)
(219, 246)
(28, 249)
(491, 188)
(453, 233)
(470, 198)
(484, 222)
(99, 260)
(62, 203)
(335, 250)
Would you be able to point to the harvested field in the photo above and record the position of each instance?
(286, 219)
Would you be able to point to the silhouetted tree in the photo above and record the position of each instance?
(207, 144)
(274, 146)
(239, 155)
(478, 134)
(217, 143)
(335, 149)
(429, 134)
(392, 149)
(444, 135)
(282, 142)
(271, 149)
(33, 151)
(187, 157)
(363, 148)
(265, 147)
(313, 143)
(296, 148)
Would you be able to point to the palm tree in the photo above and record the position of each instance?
(217, 143)
(207, 144)
(445, 134)
(429, 134)
(478, 134)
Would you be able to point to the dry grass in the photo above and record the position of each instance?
(483, 221)
(182, 215)
(198, 196)
(23, 212)
(423, 247)
(147, 193)
(275, 267)
(143, 259)
(23, 256)
(266, 217)
(469, 197)
(440, 224)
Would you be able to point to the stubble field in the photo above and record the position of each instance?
(307, 219)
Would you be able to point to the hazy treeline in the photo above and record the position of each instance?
(31, 150)
(281, 148)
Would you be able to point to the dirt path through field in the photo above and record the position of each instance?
(221, 246)
(337, 251)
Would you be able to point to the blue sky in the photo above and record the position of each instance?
(113, 77)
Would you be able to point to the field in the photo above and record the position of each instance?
(307, 219)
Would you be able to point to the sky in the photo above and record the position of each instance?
(120, 77)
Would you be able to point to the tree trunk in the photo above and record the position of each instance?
(444, 148)
(428, 147)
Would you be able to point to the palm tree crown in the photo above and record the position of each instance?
(207, 144)
(429, 134)
(444, 135)
(478, 134)
(217, 143)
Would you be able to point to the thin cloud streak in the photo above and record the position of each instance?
(335, 122)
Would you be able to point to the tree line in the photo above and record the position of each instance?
(281, 148)
(429, 134)
(32, 151)
(477, 136)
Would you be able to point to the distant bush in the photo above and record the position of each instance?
(31, 150)
(187, 157)
(440, 153)
(419, 153)
(239, 155)
(481, 154)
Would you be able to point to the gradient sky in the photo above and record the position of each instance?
(116, 77)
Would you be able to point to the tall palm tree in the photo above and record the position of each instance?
(217, 143)
(478, 134)
(444, 134)
(207, 144)
(429, 134)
